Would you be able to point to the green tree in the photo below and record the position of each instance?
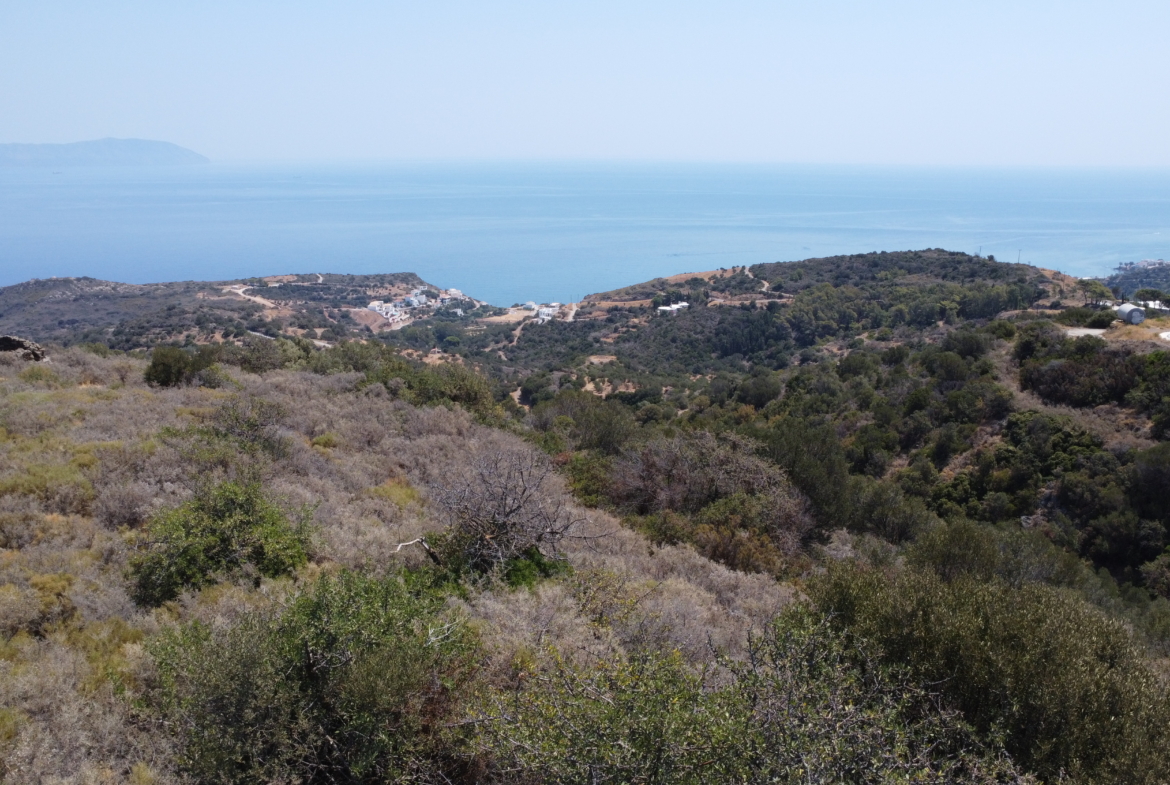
(225, 530)
(1094, 291)
(171, 366)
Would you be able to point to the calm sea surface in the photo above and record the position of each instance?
(508, 233)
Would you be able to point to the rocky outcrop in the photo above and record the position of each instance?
(24, 348)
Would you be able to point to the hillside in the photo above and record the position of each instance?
(880, 519)
(100, 152)
(1144, 275)
(132, 316)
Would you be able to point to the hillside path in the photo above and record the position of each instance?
(240, 291)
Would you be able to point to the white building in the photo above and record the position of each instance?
(673, 309)
(388, 310)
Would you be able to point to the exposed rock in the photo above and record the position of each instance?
(24, 348)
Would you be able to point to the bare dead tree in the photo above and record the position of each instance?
(504, 505)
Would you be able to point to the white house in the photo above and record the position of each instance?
(388, 310)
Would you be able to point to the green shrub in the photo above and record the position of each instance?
(349, 683)
(588, 421)
(646, 720)
(967, 343)
(1065, 684)
(1002, 329)
(397, 490)
(588, 475)
(100, 349)
(962, 548)
(62, 486)
(171, 366)
(804, 707)
(1152, 393)
(1101, 320)
(260, 355)
(39, 374)
(532, 567)
(880, 507)
(1076, 317)
(225, 530)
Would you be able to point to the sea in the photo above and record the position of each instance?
(512, 232)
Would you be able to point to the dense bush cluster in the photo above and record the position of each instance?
(805, 706)
(1031, 662)
(716, 494)
(1087, 372)
(346, 683)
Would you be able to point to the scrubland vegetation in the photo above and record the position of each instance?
(878, 532)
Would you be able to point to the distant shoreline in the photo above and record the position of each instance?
(100, 152)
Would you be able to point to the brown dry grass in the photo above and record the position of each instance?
(607, 304)
(513, 316)
(368, 318)
(1148, 333)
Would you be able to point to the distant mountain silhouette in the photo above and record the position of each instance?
(100, 152)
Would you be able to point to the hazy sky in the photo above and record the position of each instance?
(938, 82)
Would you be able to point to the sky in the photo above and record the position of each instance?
(1020, 83)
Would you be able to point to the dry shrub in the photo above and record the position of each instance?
(68, 569)
(626, 596)
(729, 603)
(500, 506)
(686, 473)
(515, 626)
(19, 516)
(716, 493)
(125, 505)
(20, 609)
(77, 366)
(71, 728)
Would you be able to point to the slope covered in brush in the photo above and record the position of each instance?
(607, 550)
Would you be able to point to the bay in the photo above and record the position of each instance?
(554, 232)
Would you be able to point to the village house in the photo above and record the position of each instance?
(672, 309)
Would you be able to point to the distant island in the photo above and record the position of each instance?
(100, 152)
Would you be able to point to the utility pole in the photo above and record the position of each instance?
(1019, 253)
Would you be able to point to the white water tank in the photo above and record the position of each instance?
(1131, 314)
